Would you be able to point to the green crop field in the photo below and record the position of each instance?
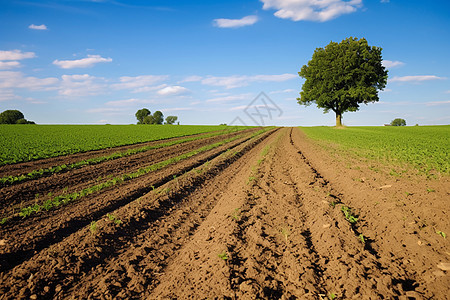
(20, 143)
(425, 148)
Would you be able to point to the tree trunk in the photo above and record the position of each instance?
(338, 119)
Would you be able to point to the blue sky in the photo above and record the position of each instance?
(97, 62)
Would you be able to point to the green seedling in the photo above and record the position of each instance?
(348, 214)
(430, 190)
(223, 255)
(236, 214)
(114, 219)
(164, 191)
(285, 232)
(393, 172)
(441, 233)
(361, 238)
(3, 221)
(93, 227)
(331, 296)
(250, 179)
(47, 205)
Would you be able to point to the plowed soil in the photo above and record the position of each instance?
(256, 218)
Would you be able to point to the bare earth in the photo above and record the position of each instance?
(258, 218)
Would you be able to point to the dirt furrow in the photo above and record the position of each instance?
(273, 258)
(58, 267)
(15, 197)
(201, 269)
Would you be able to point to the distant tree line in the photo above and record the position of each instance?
(144, 116)
(13, 117)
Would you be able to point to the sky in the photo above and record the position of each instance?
(213, 62)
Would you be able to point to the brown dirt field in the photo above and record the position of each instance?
(262, 220)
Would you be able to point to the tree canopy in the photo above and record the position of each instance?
(141, 114)
(171, 119)
(342, 76)
(158, 117)
(13, 117)
(398, 122)
(144, 116)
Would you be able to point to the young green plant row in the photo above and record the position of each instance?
(67, 198)
(25, 143)
(9, 180)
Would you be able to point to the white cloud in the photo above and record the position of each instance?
(283, 91)
(241, 107)
(417, 78)
(230, 98)
(38, 27)
(81, 63)
(392, 64)
(105, 110)
(6, 95)
(192, 78)
(10, 79)
(173, 90)
(235, 23)
(311, 10)
(6, 65)
(235, 81)
(176, 109)
(15, 55)
(434, 103)
(130, 102)
(81, 85)
(143, 83)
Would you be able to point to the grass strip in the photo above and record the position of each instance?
(65, 199)
(10, 180)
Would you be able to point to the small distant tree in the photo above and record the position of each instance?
(158, 117)
(342, 76)
(171, 119)
(141, 115)
(398, 122)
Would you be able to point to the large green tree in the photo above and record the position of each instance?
(342, 76)
(10, 116)
(158, 117)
